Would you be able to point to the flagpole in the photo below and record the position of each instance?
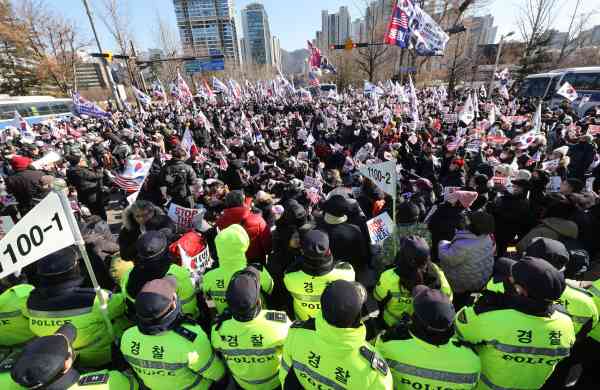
(88, 264)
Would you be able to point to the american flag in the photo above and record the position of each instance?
(313, 80)
(398, 32)
(129, 185)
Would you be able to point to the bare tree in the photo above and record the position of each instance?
(535, 22)
(370, 59)
(53, 41)
(115, 16)
(575, 36)
(165, 38)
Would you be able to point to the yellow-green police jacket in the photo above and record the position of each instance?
(323, 356)
(181, 358)
(517, 350)
(398, 300)
(306, 290)
(416, 364)
(252, 349)
(14, 324)
(231, 244)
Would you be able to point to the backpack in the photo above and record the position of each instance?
(176, 179)
(579, 258)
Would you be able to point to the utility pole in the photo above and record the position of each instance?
(111, 81)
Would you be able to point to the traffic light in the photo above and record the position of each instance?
(108, 55)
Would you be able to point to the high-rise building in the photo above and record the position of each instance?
(257, 35)
(336, 28)
(208, 27)
(358, 30)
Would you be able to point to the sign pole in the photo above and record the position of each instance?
(81, 245)
(394, 196)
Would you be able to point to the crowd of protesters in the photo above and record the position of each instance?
(500, 208)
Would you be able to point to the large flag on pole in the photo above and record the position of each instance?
(133, 176)
(141, 96)
(313, 80)
(398, 31)
(467, 114)
(158, 91)
(83, 106)
(314, 59)
(185, 95)
(20, 123)
(414, 101)
(568, 91)
(219, 85)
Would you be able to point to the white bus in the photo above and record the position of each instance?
(33, 109)
(585, 80)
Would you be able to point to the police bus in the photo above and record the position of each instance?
(33, 109)
(585, 80)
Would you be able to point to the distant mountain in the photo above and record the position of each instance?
(293, 60)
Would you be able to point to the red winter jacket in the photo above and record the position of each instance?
(255, 226)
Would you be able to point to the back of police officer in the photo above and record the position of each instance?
(330, 351)
(57, 300)
(250, 339)
(14, 324)
(166, 350)
(519, 335)
(306, 279)
(413, 266)
(423, 353)
(232, 244)
(154, 262)
(47, 364)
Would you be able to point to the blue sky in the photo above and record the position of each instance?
(294, 21)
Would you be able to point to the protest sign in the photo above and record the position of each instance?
(182, 216)
(380, 227)
(48, 159)
(550, 165)
(6, 223)
(312, 182)
(42, 231)
(554, 184)
(473, 146)
(383, 175)
(594, 129)
(500, 180)
(451, 118)
(449, 190)
(196, 264)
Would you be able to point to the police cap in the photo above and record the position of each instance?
(151, 246)
(58, 263)
(414, 252)
(550, 250)
(432, 308)
(155, 299)
(43, 359)
(342, 303)
(243, 292)
(540, 278)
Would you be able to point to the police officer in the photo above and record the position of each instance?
(519, 335)
(14, 324)
(423, 353)
(166, 350)
(576, 303)
(307, 277)
(58, 299)
(413, 267)
(153, 261)
(249, 338)
(177, 179)
(330, 351)
(47, 364)
(231, 243)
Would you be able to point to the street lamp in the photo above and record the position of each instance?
(502, 38)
